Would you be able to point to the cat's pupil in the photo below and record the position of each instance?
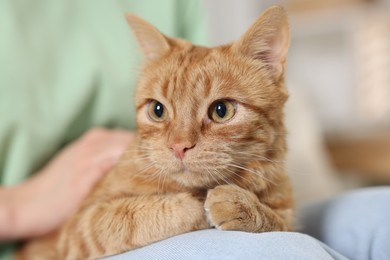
(158, 109)
(220, 109)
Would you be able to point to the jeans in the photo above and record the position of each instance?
(355, 225)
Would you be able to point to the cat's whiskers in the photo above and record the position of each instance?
(251, 171)
(237, 175)
(136, 159)
(282, 163)
(276, 163)
(225, 178)
(146, 168)
(211, 176)
(214, 175)
(260, 157)
(158, 182)
(140, 171)
(162, 174)
(165, 173)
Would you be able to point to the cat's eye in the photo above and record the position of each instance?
(157, 112)
(222, 111)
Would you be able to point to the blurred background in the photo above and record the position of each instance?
(338, 74)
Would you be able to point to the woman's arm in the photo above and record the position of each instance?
(42, 203)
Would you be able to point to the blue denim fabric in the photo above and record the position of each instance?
(355, 225)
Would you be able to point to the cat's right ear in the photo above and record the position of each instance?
(153, 43)
(267, 40)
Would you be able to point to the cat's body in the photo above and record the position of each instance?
(209, 149)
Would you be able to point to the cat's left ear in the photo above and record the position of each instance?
(267, 40)
(153, 43)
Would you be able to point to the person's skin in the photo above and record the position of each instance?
(42, 203)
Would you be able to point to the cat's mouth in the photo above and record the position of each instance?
(187, 169)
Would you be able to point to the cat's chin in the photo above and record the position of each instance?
(188, 171)
(192, 178)
(184, 170)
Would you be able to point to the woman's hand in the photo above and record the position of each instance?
(42, 203)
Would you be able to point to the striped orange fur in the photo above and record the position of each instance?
(209, 151)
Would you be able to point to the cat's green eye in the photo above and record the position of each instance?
(222, 111)
(156, 111)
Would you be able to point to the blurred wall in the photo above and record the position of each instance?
(340, 55)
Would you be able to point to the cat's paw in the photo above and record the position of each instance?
(191, 211)
(229, 207)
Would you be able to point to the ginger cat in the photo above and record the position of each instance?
(209, 150)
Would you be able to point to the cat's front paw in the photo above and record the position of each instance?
(229, 207)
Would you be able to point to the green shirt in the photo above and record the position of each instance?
(67, 66)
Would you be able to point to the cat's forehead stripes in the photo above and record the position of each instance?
(198, 73)
(186, 73)
(199, 79)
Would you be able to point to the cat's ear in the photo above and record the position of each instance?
(267, 40)
(153, 43)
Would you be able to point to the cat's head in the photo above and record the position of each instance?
(205, 114)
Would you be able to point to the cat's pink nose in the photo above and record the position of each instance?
(179, 149)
